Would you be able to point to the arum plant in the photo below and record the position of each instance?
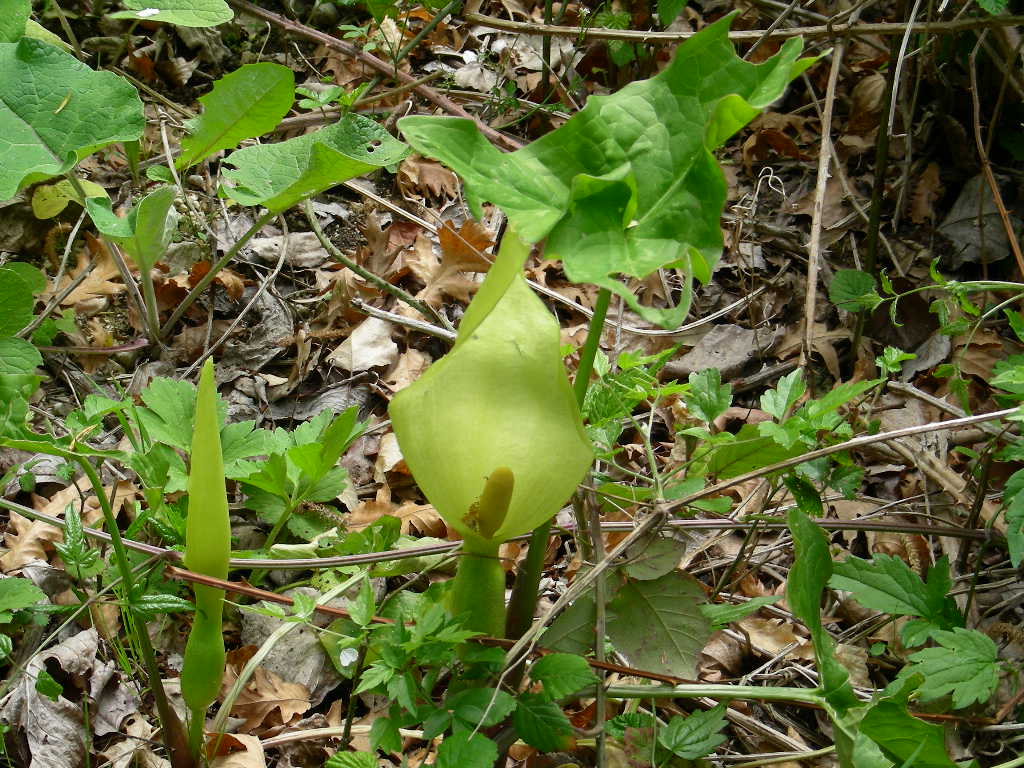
(492, 432)
(207, 549)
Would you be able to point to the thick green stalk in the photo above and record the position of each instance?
(479, 587)
(207, 549)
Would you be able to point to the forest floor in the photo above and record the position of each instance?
(918, 178)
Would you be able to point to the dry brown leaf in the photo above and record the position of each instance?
(771, 636)
(368, 346)
(410, 366)
(236, 750)
(93, 292)
(266, 700)
(981, 351)
(926, 192)
(422, 519)
(442, 275)
(32, 540)
(419, 177)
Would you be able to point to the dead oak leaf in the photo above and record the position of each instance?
(419, 177)
(29, 540)
(98, 284)
(267, 700)
(460, 252)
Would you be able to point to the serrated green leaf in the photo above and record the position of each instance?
(466, 749)
(903, 738)
(658, 624)
(80, 560)
(184, 13)
(747, 451)
(708, 398)
(18, 593)
(170, 409)
(966, 664)
(853, 290)
(696, 735)
(242, 105)
(790, 388)
(17, 356)
(573, 630)
(277, 176)
(887, 584)
(629, 184)
(362, 609)
(562, 674)
(541, 723)
(481, 707)
(56, 110)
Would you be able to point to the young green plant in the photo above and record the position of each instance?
(492, 432)
(207, 549)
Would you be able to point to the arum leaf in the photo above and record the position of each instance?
(500, 398)
(277, 176)
(145, 232)
(184, 13)
(245, 103)
(628, 185)
(54, 111)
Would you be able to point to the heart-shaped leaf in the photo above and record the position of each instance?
(629, 184)
(54, 111)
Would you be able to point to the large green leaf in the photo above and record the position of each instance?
(184, 13)
(499, 399)
(245, 103)
(629, 184)
(277, 176)
(16, 301)
(13, 19)
(54, 110)
(658, 624)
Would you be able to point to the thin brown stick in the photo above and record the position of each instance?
(986, 166)
(827, 31)
(814, 246)
(430, 94)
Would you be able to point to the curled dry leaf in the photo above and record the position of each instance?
(102, 282)
(419, 178)
(461, 251)
(267, 699)
(32, 540)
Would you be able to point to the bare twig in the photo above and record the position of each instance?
(826, 31)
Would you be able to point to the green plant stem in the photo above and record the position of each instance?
(523, 603)
(208, 278)
(479, 590)
(171, 728)
(590, 346)
(421, 307)
(810, 696)
(427, 29)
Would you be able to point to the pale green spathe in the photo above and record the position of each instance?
(500, 398)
